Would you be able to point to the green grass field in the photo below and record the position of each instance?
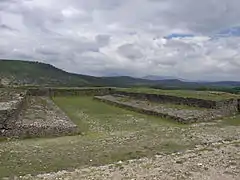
(184, 93)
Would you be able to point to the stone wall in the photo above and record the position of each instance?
(170, 99)
(228, 106)
(30, 113)
(68, 91)
(9, 109)
(185, 116)
(38, 92)
(40, 118)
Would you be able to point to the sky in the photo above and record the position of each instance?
(190, 39)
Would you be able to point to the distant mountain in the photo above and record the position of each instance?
(156, 78)
(223, 83)
(32, 73)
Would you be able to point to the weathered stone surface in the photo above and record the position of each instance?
(41, 118)
(68, 91)
(11, 103)
(170, 99)
(229, 105)
(215, 162)
(179, 115)
(7, 94)
(23, 116)
(7, 109)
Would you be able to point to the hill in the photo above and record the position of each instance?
(16, 72)
(33, 73)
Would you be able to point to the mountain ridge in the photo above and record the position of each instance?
(34, 73)
(157, 78)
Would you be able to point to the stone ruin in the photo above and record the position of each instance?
(11, 103)
(190, 110)
(22, 116)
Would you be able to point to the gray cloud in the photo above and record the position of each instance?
(130, 51)
(102, 37)
(7, 28)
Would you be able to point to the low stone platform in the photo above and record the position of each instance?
(179, 114)
(228, 105)
(41, 118)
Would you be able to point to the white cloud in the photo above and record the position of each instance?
(126, 37)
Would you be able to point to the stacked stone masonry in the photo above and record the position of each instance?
(180, 115)
(69, 92)
(11, 103)
(228, 107)
(206, 110)
(41, 118)
(22, 115)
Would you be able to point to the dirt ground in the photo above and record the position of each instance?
(218, 161)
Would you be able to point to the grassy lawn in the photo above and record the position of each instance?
(110, 134)
(184, 93)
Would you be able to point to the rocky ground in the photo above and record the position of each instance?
(41, 117)
(217, 161)
(10, 94)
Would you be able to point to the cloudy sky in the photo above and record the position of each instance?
(191, 39)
